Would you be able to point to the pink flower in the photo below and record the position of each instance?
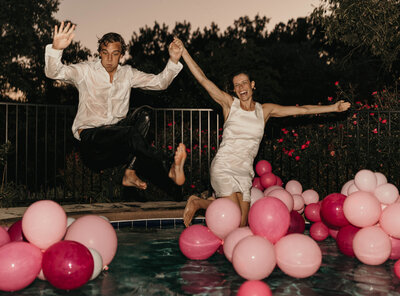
(374, 93)
(308, 143)
(192, 186)
(384, 121)
(280, 140)
(169, 124)
(337, 83)
(169, 147)
(372, 114)
(330, 99)
(355, 122)
(297, 158)
(187, 150)
(358, 103)
(303, 147)
(375, 131)
(295, 134)
(331, 127)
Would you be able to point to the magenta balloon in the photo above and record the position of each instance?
(254, 258)
(197, 242)
(297, 223)
(395, 253)
(319, 231)
(284, 196)
(20, 265)
(333, 232)
(310, 196)
(267, 180)
(344, 239)
(233, 238)
(263, 167)
(254, 288)
(397, 269)
(362, 209)
(294, 187)
(67, 265)
(94, 232)
(270, 218)
(332, 210)
(223, 216)
(257, 183)
(312, 212)
(15, 232)
(278, 181)
(4, 237)
(372, 245)
(298, 255)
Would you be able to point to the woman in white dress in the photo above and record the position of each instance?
(231, 170)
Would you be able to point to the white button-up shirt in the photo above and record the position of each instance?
(103, 102)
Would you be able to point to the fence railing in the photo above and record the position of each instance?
(322, 152)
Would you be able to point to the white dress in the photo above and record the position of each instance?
(232, 167)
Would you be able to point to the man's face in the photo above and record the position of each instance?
(110, 56)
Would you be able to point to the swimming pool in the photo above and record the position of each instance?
(149, 262)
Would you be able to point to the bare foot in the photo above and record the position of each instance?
(130, 179)
(190, 209)
(176, 173)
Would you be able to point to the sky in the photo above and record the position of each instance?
(97, 17)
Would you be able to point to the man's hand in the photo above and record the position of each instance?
(62, 37)
(175, 52)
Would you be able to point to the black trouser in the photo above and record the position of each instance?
(124, 143)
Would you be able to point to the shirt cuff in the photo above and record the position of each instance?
(174, 67)
(50, 51)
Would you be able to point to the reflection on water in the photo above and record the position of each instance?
(149, 262)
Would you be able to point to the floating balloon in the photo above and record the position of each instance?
(312, 212)
(332, 210)
(263, 167)
(67, 265)
(254, 288)
(44, 223)
(197, 242)
(223, 216)
(344, 239)
(233, 238)
(297, 223)
(362, 209)
(319, 231)
(310, 196)
(254, 258)
(294, 187)
(365, 180)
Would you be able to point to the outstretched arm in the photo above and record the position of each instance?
(221, 97)
(62, 37)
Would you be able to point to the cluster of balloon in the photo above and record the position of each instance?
(45, 245)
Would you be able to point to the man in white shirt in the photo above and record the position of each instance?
(108, 137)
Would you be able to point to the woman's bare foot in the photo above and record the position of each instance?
(176, 172)
(190, 209)
(130, 179)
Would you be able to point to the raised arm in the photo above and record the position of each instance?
(221, 97)
(63, 37)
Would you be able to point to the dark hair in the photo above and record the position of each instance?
(112, 37)
(230, 85)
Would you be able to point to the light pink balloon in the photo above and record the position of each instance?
(44, 223)
(233, 238)
(255, 194)
(298, 255)
(254, 258)
(254, 288)
(20, 264)
(298, 202)
(284, 196)
(365, 180)
(386, 193)
(271, 188)
(294, 187)
(390, 220)
(380, 178)
(352, 188)
(223, 216)
(362, 209)
(4, 237)
(94, 232)
(372, 245)
(346, 186)
(310, 196)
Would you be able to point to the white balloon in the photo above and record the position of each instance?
(98, 263)
(70, 220)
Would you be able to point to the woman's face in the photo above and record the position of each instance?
(243, 87)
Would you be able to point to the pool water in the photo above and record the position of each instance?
(149, 262)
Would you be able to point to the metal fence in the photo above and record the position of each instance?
(322, 152)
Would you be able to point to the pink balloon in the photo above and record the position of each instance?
(365, 180)
(67, 265)
(312, 212)
(297, 223)
(44, 223)
(397, 269)
(332, 210)
(254, 258)
(223, 216)
(319, 231)
(257, 183)
(386, 193)
(15, 232)
(255, 194)
(344, 239)
(380, 178)
(333, 232)
(269, 218)
(395, 253)
(233, 238)
(390, 220)
(4, 237)
(362, 209)
(271, 188)
(94, 232)
(352, 188)
(263, 167)
(278, 181)
(197, 242)
(284, 196)
(346, 186)
(310, 196)
(254, 288)
(268, 179)
(294, 187)
(372, 245)
(298, 255)
(20, 264)
(298, 202)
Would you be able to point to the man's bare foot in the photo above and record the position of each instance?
(176, 172)
(190, 209)
(130, 179)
